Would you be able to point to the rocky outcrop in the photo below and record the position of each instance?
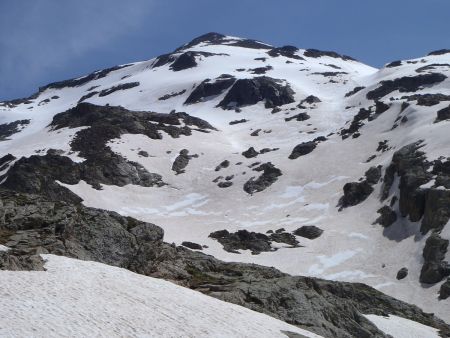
(286, 51)
(308, 231)
(246, 92)
(434, 268)
(387, 216)
(357, 192)
(38, 174)
(405, 84)
(302, 149)
(444, 291)
(31, 224)
(250, 153)
(192, 245)
(122, 86)
(354, 91)
(11, 128)
(182, 160)
(315, 53)
(269, 176)
(402, 273)
(427, 100)
(209, 89)
(253, 241)
(443, 114)
(298, 117)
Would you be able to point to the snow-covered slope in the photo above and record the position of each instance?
(319, 111)
(86, 299)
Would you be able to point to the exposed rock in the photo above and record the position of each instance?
(355, 193)
(328, 308)
(208, 89)
(122, 86)
(260, 70)
(443, 114)
(311, 99)
(184, 61)
(9, 129)
(302, 149)
(444, 292)
(191, 245)
(250, 153)
(255, 133)
(5, 161)
(242, 240)
(251, 91)
(394, 64)
(434, 268)
(315, 53)
(286, 51)
(356, 123)
(387, 216)
(354, 91)
(402, 273)
(308, 231)
(427, 100)
(226, 184)
(143, 153)
(298, 117)
(169, 96)
(223, 164)
(82, 80)
(439, 52)
(373, 174)
(237, 122)
(405, 84)
(432, 67)
(182, 161)
(266, 179)
(87, 96)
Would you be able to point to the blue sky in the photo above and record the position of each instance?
(49, 40)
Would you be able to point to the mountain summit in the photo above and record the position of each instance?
(307, 161)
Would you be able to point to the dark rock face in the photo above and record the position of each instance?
(434, 268)
(208, 89)
(405, 84)
(87, 96)
(122, 86)
(439, 52)
(286, 51)
(298, 117)
(394, 64)
(443, 114)
(5, 160)
(268, 177)
(444, 292)
(8, 129)
(308, 231)
(246, 92)
(223, 164)
(237, 122)
(83, 80)
(311, 99)
(182, 161)
(260, 70)
(37, 174)
(191, 245)
(355, 193)
(242, 240)
(387, 216)
(354, 91)
(253, 241)
(402, 273)
(356, 123)
(184, 61)
(250, 153)
(169, 96)
(302, 149)
(31, 224)
(315, 53)
(225, 184)
(411, 165)
(427, 100)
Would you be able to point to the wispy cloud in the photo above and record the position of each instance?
(42, 35)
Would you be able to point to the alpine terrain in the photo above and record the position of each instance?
(229, 188)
